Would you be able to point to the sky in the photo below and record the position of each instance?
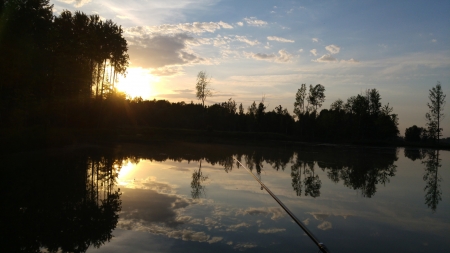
(255, 50)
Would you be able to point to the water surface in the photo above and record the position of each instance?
(190, 197)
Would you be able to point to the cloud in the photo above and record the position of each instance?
(237, 226)
(300, 50)
(320, 216)
(283, 56)
(325, 225)
(166, 71)
(276, 212)
(306, 222)
(189, 235)
(141, 203)
(433, 40)
(195, 27)
(313, 51)
(245, 40)
(240, 24)
(215, 239)
(122, 17)
(252, 21)
(333, 49)
(156, 51)
(326, 58)
(271, 230)
(275, 38)
(315, 39)
(76, 3)
(350, 61)
(243, 246)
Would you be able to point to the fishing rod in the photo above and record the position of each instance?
(321, 246)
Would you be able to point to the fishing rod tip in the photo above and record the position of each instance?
(323, 248)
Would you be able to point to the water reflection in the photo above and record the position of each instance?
(197, 178)
(71, 202)
(433, 193)
(430, 158)
(311, 182)
(64, 203)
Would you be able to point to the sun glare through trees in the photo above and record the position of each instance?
(138, 83)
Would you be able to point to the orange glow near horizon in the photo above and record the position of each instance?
(138, 83)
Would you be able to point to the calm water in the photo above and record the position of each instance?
(194, 198)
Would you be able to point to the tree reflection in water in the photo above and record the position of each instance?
(430, 158)
(197, 178)
(433, 193)
(60, 204)
(311, 182)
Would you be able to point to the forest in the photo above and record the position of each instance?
(59, 71)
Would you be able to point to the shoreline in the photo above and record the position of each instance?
(31, 139)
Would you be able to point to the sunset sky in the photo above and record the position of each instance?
(255, 49)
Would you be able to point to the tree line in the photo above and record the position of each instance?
(51, 63)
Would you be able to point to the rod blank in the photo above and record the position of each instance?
(321, 246)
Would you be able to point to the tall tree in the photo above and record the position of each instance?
(202, 87)
(299, 104)
(436, 106)
(316, 96)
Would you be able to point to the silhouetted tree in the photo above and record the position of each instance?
(316, 96)
(434, 117)
(202, 86)
(414, 133)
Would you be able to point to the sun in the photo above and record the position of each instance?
(137, 83)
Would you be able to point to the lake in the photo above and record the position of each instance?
(181, 197)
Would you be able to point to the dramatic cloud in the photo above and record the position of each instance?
(271, 230)
(275, 38)
(313, 51)
(76, 3)
(255, 22)
(333, 49)
(159, 50)
(326, 58)
(283, 56)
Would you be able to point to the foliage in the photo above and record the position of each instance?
(414, 133)
(435, 115)
(316, 96)
(202, 86)
(51, 60)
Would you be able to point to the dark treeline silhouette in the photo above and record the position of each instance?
(55, 69)
(61, 202)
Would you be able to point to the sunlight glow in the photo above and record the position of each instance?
(124, 173)
(138, 83)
